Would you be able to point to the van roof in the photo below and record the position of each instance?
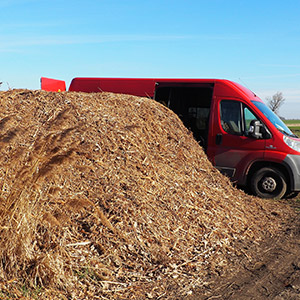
(144, 86)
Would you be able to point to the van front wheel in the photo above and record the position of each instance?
(268, 183)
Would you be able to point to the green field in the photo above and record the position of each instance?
(295, 130)
(294, 125)
(288, 122)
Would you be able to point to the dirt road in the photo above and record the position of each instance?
(267, 271)
(294, 125)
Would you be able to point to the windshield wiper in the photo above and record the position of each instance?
(286, 133)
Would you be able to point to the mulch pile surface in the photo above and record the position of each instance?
(107, 196)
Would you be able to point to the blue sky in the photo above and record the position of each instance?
(255, 43)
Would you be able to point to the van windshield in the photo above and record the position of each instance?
(273, 118)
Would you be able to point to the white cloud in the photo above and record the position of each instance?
(287, 93)
(291, 107)
(14, 25)
(273, 76)
(6, 3)
(280, 65)
(14, 42)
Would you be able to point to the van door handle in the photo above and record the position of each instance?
(219, 138)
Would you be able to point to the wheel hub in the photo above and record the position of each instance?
(269, 184)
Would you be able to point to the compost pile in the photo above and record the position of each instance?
(109, 196)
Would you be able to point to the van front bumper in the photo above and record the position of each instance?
(293, 162)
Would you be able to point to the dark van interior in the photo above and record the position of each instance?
(191, 102)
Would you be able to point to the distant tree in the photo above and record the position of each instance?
(275, 102)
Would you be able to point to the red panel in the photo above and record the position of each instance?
(144, 87)
(226, 88)
(52, 85)
(133, 86)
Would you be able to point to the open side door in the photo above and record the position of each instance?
(52, 85)
(191, 102)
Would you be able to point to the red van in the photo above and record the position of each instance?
(241, 136)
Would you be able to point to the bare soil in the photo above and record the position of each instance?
(294, 125)
(268, 270)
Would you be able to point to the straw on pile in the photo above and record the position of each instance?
(109, 196)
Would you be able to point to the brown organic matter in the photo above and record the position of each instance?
(107, 196)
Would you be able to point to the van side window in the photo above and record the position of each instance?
(231, 118)
(248, 116)
(236, 117)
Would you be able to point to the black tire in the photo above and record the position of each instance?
(268, 183)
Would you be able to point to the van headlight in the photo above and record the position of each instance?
(294, 144)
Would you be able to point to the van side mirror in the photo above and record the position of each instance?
(254, 129)
(258, 130)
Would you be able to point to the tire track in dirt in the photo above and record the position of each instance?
(268, 271)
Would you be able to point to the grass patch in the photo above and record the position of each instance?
(33, 293)
(295, 130)
(21, 292)
(291, 122)
(293, 125)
